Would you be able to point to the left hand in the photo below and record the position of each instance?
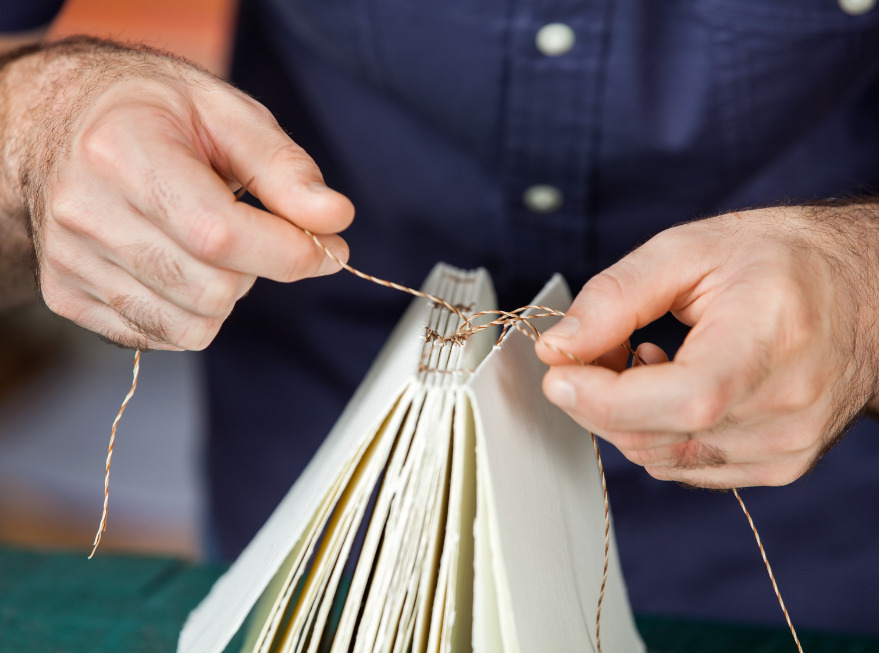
(783, 351)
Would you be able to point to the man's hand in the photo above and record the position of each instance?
(122, 164)
(783, 352)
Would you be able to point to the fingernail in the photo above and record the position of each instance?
(561, 393)
(318, 187)
(568, 327)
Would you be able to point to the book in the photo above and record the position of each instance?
(451, 508)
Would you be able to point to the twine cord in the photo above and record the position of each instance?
(103, 525)
(769, 570)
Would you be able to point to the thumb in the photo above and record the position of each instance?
(251, 147)
(630, 294)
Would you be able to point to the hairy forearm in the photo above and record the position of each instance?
(17, 261)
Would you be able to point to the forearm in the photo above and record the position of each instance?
(17, 263)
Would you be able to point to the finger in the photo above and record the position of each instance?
(719, 478)
(721, 362)
(148, 255)
(649, 354)
(634, 441)
(145, 317)
(630, 294)
(192, 204)
(615, 359)
(769, 441)
(734, 476)
(124, 311)
(248, 144)
(145, 252)
(663, 397)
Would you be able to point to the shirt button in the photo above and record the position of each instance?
(856, 7)
(542, 198)
(556, 39)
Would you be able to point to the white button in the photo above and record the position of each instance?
(542, 198)
(856, 7)
(556, 39)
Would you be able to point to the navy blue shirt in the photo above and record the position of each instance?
(437, 117)
(25, 16)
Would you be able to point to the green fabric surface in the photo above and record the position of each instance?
(64, 603)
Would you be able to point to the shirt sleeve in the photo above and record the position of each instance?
(23, 16)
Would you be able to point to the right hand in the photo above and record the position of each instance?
(128, 172)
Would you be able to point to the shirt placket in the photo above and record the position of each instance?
(549, 134)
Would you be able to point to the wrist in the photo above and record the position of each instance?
(16, 246)
(848, 232)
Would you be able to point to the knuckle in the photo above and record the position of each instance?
(641, 440)
(603, 413)
(623, 440)
(294, 270)
(606, 285)
(778, 475)
(799, 394)
(304, 264)
(198, 333)
(796, 327)
(637, 456)
(54, 296)
(290, 157)
(144, 317)
(257, 110)
(68, 208)
(210, 237)
(695, 454)
(218, 296)
(704, 410)
(660, 473)
(101, 143)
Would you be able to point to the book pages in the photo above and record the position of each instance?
(543, 508)
(451, 508)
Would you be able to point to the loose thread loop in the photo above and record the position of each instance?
(103, 525)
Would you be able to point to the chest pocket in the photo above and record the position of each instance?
(783, 66)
